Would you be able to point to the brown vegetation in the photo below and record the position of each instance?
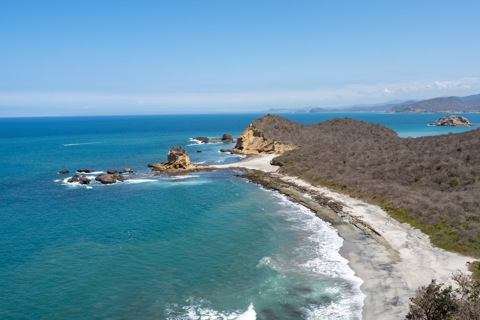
(428, 182)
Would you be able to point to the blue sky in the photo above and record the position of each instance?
(160, 57)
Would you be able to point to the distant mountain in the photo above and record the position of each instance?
(288, 110)
(469, 98)
(316, 110)
(439, 105)
(378, 107)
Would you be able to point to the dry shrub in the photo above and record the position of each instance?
(437, 301)
(433, 178)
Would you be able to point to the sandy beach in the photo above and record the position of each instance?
(388, 283)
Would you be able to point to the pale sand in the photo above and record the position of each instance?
(259, 162)
(387, 285)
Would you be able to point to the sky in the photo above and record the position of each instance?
(61, 58)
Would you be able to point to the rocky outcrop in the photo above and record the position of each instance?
(452, 121)
(253, 141)
(276, 162)
(63, 171)
(178, 160)
(86, 170)
(80, 178)
(110, 179)
(127, 170)
(227, 138)
(112, 171)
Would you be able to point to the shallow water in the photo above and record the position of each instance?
(203, 246)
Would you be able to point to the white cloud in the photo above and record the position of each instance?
(322, 96)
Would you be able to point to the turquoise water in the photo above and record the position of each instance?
(206, 246)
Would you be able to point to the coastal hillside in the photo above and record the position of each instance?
(429, 182)
(439, 105)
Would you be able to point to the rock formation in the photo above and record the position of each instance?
(253, 141)
(109, 179)
(112, 171)
(63, 171)
(178, 160)
(86, 170)
(227, 138)
(80, 178)
(127, 170)
(452, 121)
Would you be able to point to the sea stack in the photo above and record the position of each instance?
(452, 121)
(178, 160)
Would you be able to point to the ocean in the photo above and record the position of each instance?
(208, 245)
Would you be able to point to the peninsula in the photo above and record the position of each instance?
(410, 197)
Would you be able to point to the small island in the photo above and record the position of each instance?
(452, 121)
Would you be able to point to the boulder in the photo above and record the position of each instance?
(452, 121)
(86, 170)
(112, 171)
(106, 178)
(199, 150)
(275, 162)
(80, 178)
(227, 138)
(63, 171)
(202, 139)
(127, 170)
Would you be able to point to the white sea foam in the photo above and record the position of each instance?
(196, 142)
(200, 162)
(95, 172)
(78, 144)
(140, 180)
(200, 312)
(182, 177)
(218, 161)
(317, 255)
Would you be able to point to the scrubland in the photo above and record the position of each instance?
(431, 182)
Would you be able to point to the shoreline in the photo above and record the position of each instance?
(392, 259)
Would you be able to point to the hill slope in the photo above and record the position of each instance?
(429, 182)
(438, 105)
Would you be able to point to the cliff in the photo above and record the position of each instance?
(254, 141)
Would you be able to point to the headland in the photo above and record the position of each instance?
(383, 247)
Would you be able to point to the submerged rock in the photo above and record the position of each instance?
(63, 171)
(80, 178)
(199, 150)
(202, 139)
(86, 170)
(112, 171)
(452, 121)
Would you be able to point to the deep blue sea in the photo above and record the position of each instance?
(203, 246)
